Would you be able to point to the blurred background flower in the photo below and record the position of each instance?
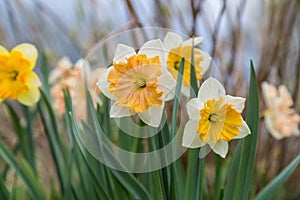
(281, 120)
(74, 78)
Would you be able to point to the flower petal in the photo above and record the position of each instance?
(190, 137)
(244, 131)
(120, 111)
(123, 51)
(33, 79)
(211, 89)
(238, 103)
(269, 125)
(3, 50)
(154, 48)
(221, 148)
(103, 84)
(167, 84)
(172, 40)
(29, 51)
(193, 108)
(185, 91)
(1, 100)
(269, 94)
(31, 97)
(205, 63)
(189, 42)
(152, 116)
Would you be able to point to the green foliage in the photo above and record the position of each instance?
(82, 176)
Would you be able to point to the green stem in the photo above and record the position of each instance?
(29, 138)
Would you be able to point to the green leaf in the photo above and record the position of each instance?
(127, 180)
(249, 144)
(25, 172)
(45, 74)
(271, 189)
(232, 173)
(56, 146)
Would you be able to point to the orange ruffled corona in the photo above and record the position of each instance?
(135, 83)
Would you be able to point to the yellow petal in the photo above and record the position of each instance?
(1, 100)
(29, 52)
(33, 79)
(31, 97)
(3, 50)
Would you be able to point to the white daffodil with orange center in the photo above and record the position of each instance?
(280, 119)
(138, 83)
(17, 79)
(214, 118)
(178, 49)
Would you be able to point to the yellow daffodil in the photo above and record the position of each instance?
(17, 80)
(138, 83)
(176, 49)
(280, 119)
(65, 76)
(214, 118)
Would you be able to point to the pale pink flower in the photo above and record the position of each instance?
(65, 76)
(281, 120)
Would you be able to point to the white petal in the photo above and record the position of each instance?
(193, 108)
(123, 51)
(189, 42)
(154, 48)
(221, 148)
(167, 84)
(269, 125)
(244, 131)
(190, 137)
(211, 89)
(172, 40)
(185, 91)
(269, 94)
(205, 63)
(103, 84)
(120, 111)
(238, 103)
(152, 116)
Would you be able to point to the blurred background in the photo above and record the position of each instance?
(267, 31)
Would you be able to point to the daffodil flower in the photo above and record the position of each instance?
(214, 118)
(138, 83)
(176, 49)
(65, 76)
(280, 119)
(17, 80)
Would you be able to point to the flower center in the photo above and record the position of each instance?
(219, 121)
(140, 82)
(213, 118)
(174, 58)
(135, 82)
(13, 75)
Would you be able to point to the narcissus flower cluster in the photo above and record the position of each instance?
(140, 83)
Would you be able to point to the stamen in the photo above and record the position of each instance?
(213, 117)
(140, 83)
